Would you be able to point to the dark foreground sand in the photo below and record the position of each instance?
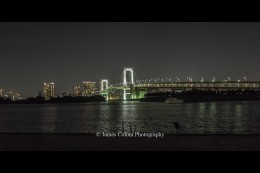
(87, 142)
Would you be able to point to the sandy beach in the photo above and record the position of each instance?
(89, 142)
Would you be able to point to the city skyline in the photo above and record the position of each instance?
(69, 53)
(90, 88)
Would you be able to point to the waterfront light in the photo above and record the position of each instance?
(190, 79)
(245, 78)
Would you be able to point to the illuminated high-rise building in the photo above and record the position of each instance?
(76, 91)
(1, 92)
(89, 88)
(48, 90)
(65, 94)
(14, 96)
(17, 96)
(11, 95)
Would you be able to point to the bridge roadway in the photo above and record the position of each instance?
(254, 85)
(139, 90)
(202, 85)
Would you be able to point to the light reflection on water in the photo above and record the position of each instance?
(195, 118)
(49, 119)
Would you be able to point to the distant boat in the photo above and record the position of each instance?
(173, 101)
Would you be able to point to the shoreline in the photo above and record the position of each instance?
(115, 101)
(90, 142)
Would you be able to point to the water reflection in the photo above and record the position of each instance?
(210, 116)
(80, 117)
(195, 118)
(49, 114)
(129, 114)
(239, 118)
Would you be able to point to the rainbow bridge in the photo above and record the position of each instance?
(131, 89)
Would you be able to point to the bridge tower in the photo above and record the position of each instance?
(104, 88)
(131, 73)
(125, 82)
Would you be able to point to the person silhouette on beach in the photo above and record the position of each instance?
(177, 127)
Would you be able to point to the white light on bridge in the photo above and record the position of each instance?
(229, 78)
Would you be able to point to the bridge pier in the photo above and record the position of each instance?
(104, 88)
(124, 94)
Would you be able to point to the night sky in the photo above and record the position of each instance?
(69, 53)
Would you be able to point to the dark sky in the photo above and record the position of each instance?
(69, 53)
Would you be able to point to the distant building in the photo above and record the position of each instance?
(17, 96)
(76, 91)
(14, 96)
(1, 92)
(11, 95)
(65, 93)
(89, 88)
(49, 90)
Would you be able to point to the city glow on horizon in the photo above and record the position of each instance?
(89, 88)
